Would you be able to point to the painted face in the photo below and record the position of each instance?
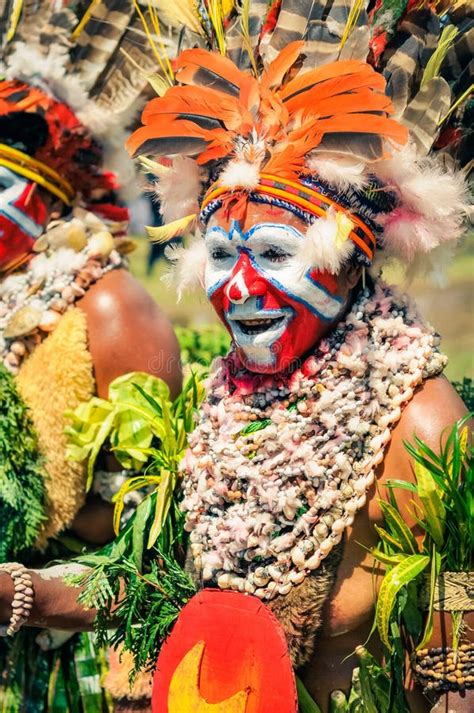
(275, 305)
(23, 215)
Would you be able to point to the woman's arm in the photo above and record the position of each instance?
(55, 603)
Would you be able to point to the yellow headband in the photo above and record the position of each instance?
(36, 171)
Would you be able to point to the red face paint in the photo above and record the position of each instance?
(274, 307)
(23, 216)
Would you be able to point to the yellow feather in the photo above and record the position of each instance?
(15, 15)
(167, 232)
(244, 27)
(177, 13)
(354, 12)
(344, 227)
(227, 7)
(216, 16)
(159, 83)
(157, 169)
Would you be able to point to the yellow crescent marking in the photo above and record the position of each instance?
(184, 695)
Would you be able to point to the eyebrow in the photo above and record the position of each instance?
(272, 226)
(227, 234)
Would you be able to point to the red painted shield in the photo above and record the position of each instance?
(226, 654)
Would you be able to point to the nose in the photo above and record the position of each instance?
(245, 281)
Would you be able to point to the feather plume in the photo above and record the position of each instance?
(425, 187)
(323, 249)
(153, 167)
(164, 233)
(277, 69)
(187, 266)
(197, 66)
(240, 174)
(336, 70)
(179, 188)
(179, 14)
(341, 173)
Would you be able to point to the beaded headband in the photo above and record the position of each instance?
(36, 171)
(308, 201)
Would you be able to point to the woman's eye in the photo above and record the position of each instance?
(219, 254)
(275, 255)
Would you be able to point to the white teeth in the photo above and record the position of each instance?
(256, 322)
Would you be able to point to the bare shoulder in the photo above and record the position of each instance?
(128, 332)
(434, 408)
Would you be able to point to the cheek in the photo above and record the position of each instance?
(23, 215)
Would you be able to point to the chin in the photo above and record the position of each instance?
(268, 364)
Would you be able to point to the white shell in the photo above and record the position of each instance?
(224, 581)
(314, 561)
(298, 557)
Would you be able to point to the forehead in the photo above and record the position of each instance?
(257, 213)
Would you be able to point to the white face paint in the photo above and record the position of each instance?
(263, 289)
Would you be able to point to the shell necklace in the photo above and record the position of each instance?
(72, 254)
(279, 465)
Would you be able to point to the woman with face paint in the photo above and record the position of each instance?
(298, 181)
(72, 318)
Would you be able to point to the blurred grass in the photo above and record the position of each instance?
(450, 310)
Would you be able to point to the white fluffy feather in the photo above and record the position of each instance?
(341, 173)
(425, 186)
(179, 189)
(47, 72)
(187, 266)
(320, 249)
(240, 174)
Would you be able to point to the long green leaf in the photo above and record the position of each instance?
(390, 560)
(138, 531)
(102, 435)
(388, 539)
(163, 502)
(306, 704)
(399, 528)
(434, 510)
(393, 581)
(434, 573)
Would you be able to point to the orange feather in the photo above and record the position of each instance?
(356, 124)
(202, 102)
(364, 101)
(327, 89)
(277, 69)
(214, 65)
(335, 70)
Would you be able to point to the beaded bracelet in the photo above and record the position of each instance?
(443, 669)
(22, 600)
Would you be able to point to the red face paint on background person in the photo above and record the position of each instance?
(23, 216)
(275, 304)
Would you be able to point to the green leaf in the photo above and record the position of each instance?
(306, 704)
(390, 560)
(401, 484)
(398, 527)
(390, 541)
(434, 573)
(99, 441)
(337, 702)
(138, 531)
(163, 502)
(255, 426)
(434, 510)
(393, 581)
(140, 481)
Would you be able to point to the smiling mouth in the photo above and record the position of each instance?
(259, 326)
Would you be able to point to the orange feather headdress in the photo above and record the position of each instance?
(290, 109)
